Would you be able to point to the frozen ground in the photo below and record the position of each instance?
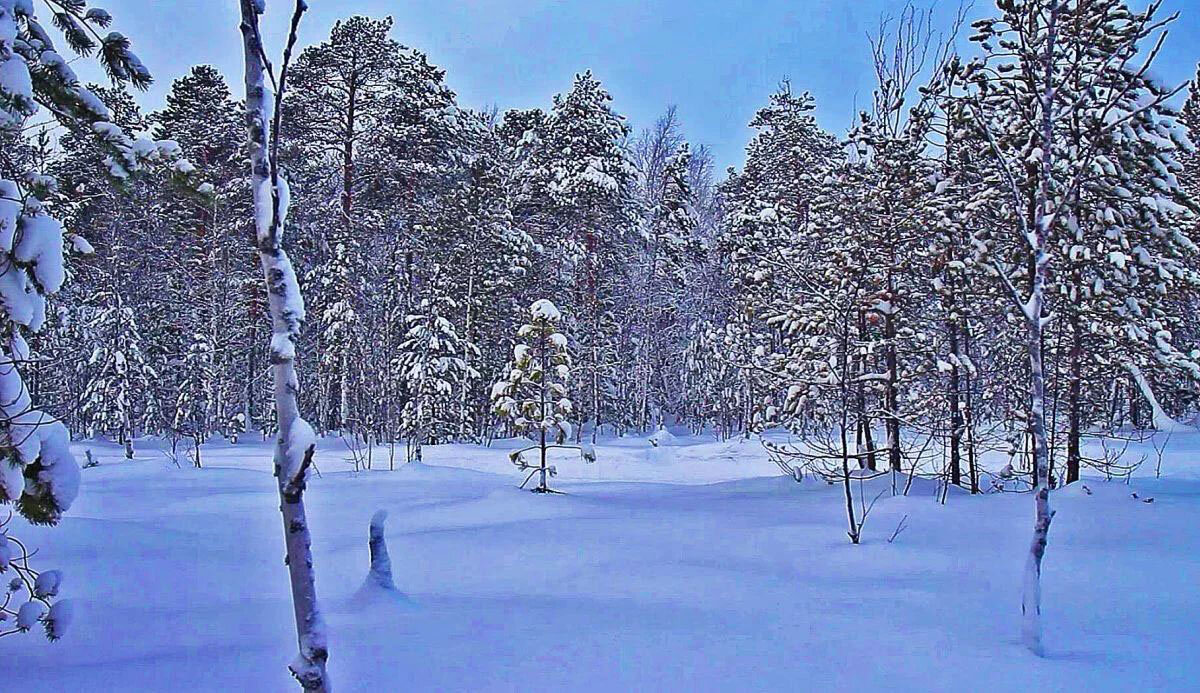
(692, 566)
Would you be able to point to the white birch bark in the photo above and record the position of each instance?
(1031, 599)
(295, 443)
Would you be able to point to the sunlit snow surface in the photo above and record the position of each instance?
(689, 566)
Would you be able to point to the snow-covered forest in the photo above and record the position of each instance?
(830, 397)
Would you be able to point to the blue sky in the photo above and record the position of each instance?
(715, 60)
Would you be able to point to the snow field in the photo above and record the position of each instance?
(688, 566)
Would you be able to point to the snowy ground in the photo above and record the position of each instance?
(692, 566)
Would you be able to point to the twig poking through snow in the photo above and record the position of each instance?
(900, 527)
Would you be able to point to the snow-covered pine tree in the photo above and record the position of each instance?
(121, 225)
(1190, 117)
(959, 295)
(893, 174)
(534, 396)
(193, 416)
(584, 167)
(206, 257)
(38, 473)
(1128, 276)
(652, 329)
(342, 90)
(704, 303)
(768, 206)
(340, 332)
(487, 254)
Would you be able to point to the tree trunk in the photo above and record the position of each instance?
(544, 403)
(295, 443)
(853, 531)
(956, 423)
(864, 420)
(127, 434)
(1031, 602)
(1075, 394)
(892, 417)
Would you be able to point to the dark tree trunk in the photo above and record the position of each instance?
(956, 423)
(1074, 395)
(866, 439)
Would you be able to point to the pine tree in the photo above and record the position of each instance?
(585, 171)
(1041, 61)
(769, 206)
(488, 254)
(1190, 118)
(208, 268)
(38, 474)
(535, 394)
(340, 333)
(670, 252)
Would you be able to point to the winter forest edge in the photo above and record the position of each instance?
(983, 292)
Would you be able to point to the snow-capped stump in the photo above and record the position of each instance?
(380, 572)
(378, 582)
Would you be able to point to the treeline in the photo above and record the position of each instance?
(421, 232)
(863, 283)
(998, 257)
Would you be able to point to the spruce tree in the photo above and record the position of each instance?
(433, 359)
(118, 399)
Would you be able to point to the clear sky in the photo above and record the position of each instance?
(715, 60)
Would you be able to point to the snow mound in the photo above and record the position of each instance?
(663, 438)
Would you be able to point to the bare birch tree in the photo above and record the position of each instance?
(1039, 67)
(296, 442)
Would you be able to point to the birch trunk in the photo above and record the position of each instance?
(1031, 601)
(295, 443)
